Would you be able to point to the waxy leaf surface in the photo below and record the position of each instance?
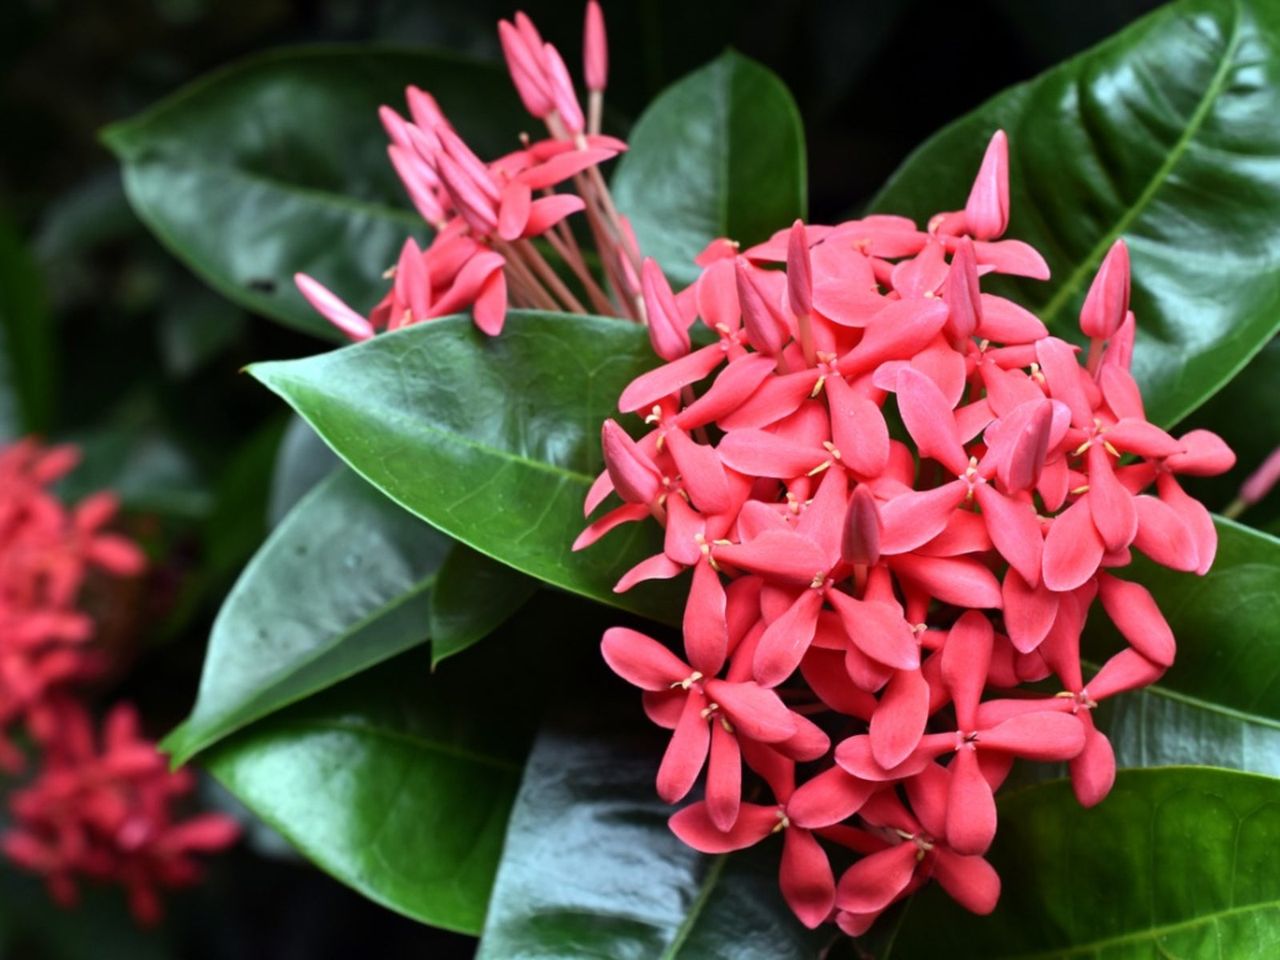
(472, 596)
(590, 868)
(341, 584)
(1176, 862)
(302, 461)
(1164, 135)
(392, 782)
(718, 154)
(278, 164)
(493, 441)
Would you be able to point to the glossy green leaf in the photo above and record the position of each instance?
(278, 164)
(27, 338)
(1220, 702)
(394, 782)
(302, 461)
(591, 870)
(1164, 135)
(493, 441)
(718, 154)
(340, 585)
(1177, 862)
(473, 596)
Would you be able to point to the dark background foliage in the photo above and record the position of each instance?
(147, 358)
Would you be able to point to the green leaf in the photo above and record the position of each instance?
(493, 441)
(302, 461)
(142, 465)
(590, 869)
(1163, 135)
(718, 154)
(27, 353)
(278, 164)
(340, 585)
(472, 597)
(1220, 702)
(394, 782)
(1176, 862)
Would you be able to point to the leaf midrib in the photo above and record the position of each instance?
(705, 889)
(1142, 935)
(416, 741)
(1075, 282)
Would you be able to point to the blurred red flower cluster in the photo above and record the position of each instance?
(102, 811)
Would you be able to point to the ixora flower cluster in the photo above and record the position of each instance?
(103, 812)
(486, 215)
(864, 609)
(894, 593)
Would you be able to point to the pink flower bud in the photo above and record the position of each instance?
(1107, 302)
(426, 113)
(1262, 480)
(667, 332)
(986, 212)
(799, 271)
(527, 73)
(860, 539)
(595, 48)
(964, 299)
(562, 92)
(634, 475)
(333, 309)
(763, 330)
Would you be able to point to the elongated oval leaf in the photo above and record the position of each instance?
(1163, 135)
(493, 441)
(1177, 862)
(473, 595)
(1220, 702)
(719, 154)
(278, 165)
(591, 870)
(341, 584)
(302, 461)
(393, 782)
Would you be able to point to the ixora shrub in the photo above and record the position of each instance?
(904, 500)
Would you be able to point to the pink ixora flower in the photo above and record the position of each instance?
(485, 214)
(888, 595)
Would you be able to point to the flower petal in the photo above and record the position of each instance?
(641, 660)
(971, 806)
(1134, 612)
(805, 877)
(899, 721)
(873, 882)
(693, 825)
